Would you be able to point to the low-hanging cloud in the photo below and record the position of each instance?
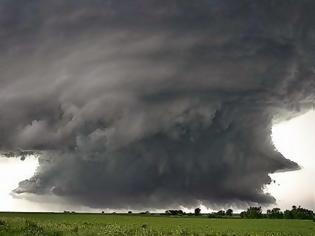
(153, 103)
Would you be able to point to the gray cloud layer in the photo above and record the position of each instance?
(153, 103)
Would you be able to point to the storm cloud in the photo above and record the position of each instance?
(152, 103)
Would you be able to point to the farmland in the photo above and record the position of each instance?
(42, 224)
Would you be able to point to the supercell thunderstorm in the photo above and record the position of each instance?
(152, 103)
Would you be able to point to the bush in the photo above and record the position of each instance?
(2, 223)
(32, 229)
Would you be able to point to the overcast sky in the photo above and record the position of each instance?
(154, 104)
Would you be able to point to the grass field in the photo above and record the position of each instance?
(31, 224)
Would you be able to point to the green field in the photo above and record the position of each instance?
(101, 224)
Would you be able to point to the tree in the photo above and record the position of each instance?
(275, 213)
(174, 212)
(301, 213)
(145, 213)
(220, 213)
(197, 211)
(243, 214)
(229, 212)
(252, 212)
(287, 214)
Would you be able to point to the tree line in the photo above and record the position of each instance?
(252, 213)
(276, 213)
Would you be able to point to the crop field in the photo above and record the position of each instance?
(42, 224)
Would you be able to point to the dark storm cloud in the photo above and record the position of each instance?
(153, 103)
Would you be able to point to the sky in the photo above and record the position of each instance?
(295, 139)
(156, 104)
